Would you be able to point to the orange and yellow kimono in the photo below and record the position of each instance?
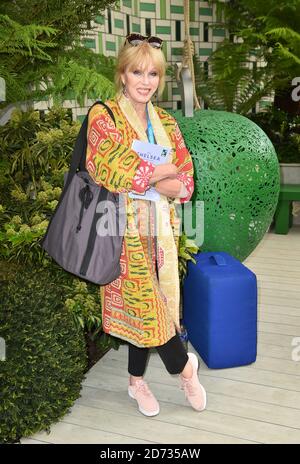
(133, 306)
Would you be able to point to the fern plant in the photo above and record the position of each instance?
(47, 58)
(270, 29)
(70, 79)
(18, 44)
(231, 84)
(25, 40)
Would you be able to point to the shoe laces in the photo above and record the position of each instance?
(141, 386)
(187, 386)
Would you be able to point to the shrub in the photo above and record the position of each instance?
(82, 299)
(34, 156)
(45, 354)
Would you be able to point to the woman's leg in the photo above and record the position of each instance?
(177, 361)
(137, 360)
(174, 357)
(138, 388)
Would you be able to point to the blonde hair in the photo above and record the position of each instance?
(132, 57)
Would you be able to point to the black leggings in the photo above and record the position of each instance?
(172, 353)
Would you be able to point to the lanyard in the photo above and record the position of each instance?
(151, 139)
(150, 132)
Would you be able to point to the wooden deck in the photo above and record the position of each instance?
(259, 403)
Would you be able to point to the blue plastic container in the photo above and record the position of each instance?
(220, 310)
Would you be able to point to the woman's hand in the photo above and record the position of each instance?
(171, 188)
(171, 170)
(163, 171)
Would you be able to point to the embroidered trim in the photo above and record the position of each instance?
(188, 182)
(142, 177)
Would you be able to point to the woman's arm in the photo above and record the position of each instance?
(183, 161)
(163, 171)
(171, 188)
(117, 167)
(182, 185)
(109, 162)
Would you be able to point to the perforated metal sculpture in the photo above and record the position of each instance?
(236, 175)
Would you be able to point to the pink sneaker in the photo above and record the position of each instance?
(194, 391)
(148, 404)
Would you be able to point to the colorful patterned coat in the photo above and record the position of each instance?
(133, 306)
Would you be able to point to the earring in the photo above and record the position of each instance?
(124, 89)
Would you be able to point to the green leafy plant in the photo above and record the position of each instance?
(23, 222)
(83, 302)
(19, 43)
(271, 30)
(43, 53)
(232, 85)
(35, 146)
(45, 353)
(83, 307)
(187, 248)
(73, 78)
(30, 188)
(34, 156)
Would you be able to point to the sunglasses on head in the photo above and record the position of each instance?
(137, 39)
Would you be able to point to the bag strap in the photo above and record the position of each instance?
(78, 159)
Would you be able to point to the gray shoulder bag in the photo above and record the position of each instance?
(85, 233)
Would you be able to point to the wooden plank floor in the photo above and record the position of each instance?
(259, 403)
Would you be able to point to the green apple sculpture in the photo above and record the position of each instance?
(237, 176)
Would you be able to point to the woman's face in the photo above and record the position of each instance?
(141, 85)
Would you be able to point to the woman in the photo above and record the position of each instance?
(142, 305)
